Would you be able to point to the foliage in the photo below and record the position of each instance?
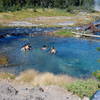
(97, 74)
(84, 87)
(11, 5)
(70, 9)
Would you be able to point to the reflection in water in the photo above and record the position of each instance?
(76, 57)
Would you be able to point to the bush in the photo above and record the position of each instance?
(70, 9)
(84, 87)
(97, 74)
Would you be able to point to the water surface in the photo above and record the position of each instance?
(75, 57)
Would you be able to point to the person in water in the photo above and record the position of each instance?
(44, 47)
(26, 47)
(53, 50)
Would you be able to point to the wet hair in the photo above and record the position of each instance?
(28, 44)
(53, 47)
(44, 45)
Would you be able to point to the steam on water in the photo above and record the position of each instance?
(97, 5)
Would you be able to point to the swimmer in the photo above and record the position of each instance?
(44, 47)
(26, 47)
(53, 51)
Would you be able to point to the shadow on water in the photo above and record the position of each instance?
(75, 57)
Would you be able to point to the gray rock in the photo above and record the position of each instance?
(8, 92)
(7, 89)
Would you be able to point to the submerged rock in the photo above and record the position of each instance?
(3, 60)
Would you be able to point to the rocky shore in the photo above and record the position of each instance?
(10, 91)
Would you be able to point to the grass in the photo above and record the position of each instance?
(84, 87)
(29, 13)
(97, 74)
(7, 76)
(37, 79)
(64, 33)
(48, 12)
(46, 18)
(76, 86)
(27, 76)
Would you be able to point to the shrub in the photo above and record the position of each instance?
(97, 74)
(70, 9)
(84, 87)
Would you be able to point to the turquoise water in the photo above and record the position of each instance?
(75, 57)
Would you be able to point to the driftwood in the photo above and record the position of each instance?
(93, 27)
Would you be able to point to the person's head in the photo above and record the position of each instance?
(44, 46)
(27, 46)
(53, 47)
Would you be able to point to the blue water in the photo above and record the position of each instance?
(75, 57)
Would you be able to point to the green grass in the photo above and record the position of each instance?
(45, 17)
(97, 74)
(64, 33)
(29, 13)
(84, 87)
(48, 12)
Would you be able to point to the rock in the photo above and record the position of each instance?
(8, 92)
(7, 89)
(37, 89)
(85, 98)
